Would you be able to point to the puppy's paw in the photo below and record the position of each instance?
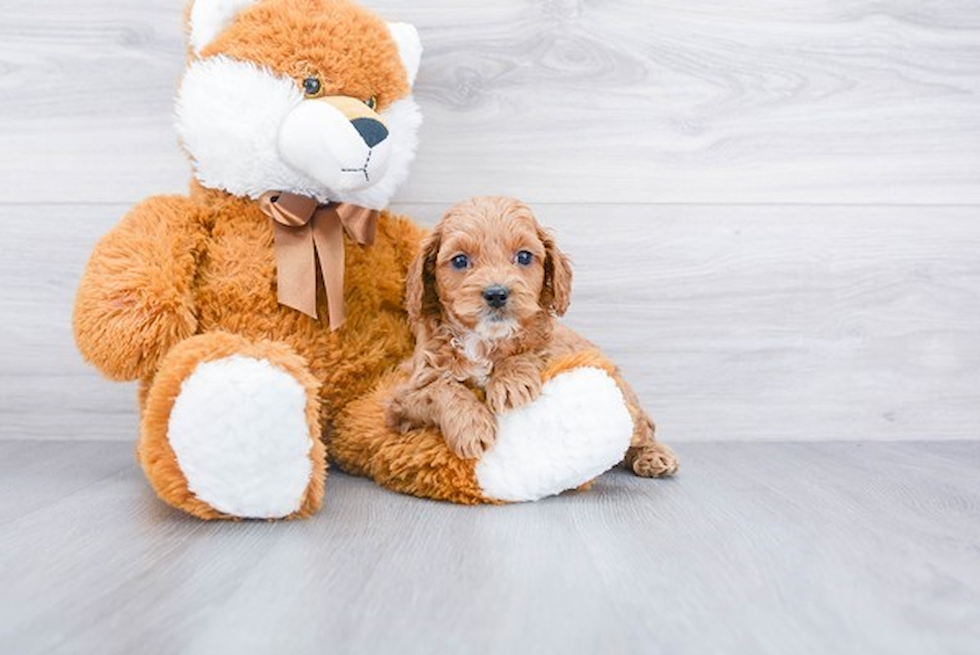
(397, 416)
(513, 389)
(654, 461)
(470, 431)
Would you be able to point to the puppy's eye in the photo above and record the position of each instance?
(523, 258)
(312, 87)
(459, 262)
(372, 102)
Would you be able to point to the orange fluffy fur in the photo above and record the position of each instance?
(347, 48)
(178, 267)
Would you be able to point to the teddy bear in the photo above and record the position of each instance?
(256, 310)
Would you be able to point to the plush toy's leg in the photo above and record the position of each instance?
(231, 429)
(578, 428)
(417, 463)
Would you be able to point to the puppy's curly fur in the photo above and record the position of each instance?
(483, 295)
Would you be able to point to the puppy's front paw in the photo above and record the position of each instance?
(397, 416)
(513, 389)
(470, 431)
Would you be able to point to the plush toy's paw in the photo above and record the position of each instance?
(470, 431)
(653, 460)
(239, 432)
(231, 430)
(578, 428)
(514, 388)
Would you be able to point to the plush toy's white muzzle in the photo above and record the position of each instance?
(321, 141)
(249, 130)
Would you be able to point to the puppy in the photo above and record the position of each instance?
(482, 296)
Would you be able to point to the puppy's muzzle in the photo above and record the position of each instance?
(496, 296)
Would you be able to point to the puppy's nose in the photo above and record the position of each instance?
(496, 296)
(372, 131)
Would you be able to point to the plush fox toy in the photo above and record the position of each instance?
(256, 309)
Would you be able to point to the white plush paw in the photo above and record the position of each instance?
(239, 431)
(576, 430)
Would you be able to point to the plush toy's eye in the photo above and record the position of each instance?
(460, 262)
(523, 258)
(312, 87)
(372, 102)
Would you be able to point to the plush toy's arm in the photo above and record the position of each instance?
(578, 428)
(135, 300)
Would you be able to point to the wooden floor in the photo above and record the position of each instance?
(756, 548)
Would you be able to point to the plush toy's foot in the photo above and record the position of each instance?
(577, 429)
(231, 429)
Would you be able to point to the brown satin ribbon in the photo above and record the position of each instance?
(306, 232)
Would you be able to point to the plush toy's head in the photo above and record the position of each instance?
(311, 97)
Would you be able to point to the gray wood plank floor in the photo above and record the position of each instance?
(755, 548)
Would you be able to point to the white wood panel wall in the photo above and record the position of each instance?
(774, 206)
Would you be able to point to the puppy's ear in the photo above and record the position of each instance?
(557, 289)
(421, 296)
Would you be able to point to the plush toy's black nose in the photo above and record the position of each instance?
(372, 131)
(496, 296)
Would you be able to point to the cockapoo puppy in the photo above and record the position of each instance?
(482, 296)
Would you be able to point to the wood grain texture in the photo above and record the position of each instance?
(781, 549)
(745, 322)
(765, 101)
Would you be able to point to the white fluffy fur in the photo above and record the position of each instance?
(318, 139)
(409, 47)
(238, 428)
(209, 18)
(229, 115)
(577, 429)
(231, 137)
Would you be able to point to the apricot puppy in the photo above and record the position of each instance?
(483, 295)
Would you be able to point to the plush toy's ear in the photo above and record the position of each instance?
(421, 295)
(556, 293)
(409, 48)
(208, 18)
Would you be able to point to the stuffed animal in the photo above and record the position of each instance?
(257, 309)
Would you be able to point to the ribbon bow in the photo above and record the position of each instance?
(307, 232)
